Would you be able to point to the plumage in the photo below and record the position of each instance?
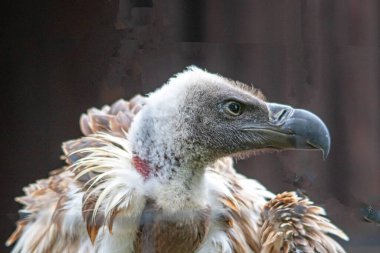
(155, 174)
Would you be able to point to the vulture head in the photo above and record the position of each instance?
(199, 117)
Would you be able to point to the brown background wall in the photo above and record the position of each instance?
(62, 57)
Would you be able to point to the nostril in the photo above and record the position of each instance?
(282, 114)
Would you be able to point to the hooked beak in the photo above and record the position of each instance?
(290, 128)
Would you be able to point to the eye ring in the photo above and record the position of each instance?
(233, 108)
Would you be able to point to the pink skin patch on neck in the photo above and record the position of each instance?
(141, 166)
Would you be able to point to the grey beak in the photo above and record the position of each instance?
(289, 128)
(305, 130)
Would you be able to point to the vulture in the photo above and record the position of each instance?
(155, 175)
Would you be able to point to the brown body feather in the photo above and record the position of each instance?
(293, 224)
(162, 234)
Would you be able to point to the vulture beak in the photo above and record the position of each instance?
(290, 128)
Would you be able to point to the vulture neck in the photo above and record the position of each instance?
(167, 167)
(173, 184)
(173, 170)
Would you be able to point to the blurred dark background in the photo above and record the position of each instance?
(61, 57)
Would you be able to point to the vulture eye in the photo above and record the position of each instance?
(233, 108)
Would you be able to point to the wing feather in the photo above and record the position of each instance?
(237, 205)
(294, 224)
(64, 205)
(255, 220)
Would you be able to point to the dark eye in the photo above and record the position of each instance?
(233, 108)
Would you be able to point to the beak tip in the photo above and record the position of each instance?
(325, 154)
(326, 148)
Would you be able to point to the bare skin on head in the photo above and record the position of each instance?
(155, 175)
